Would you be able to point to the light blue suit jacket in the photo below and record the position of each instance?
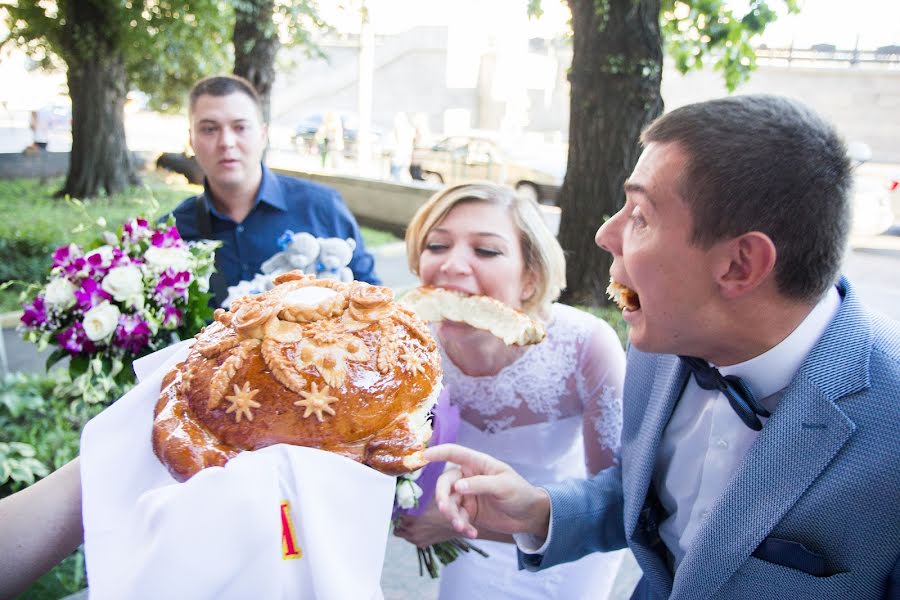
(824, 472)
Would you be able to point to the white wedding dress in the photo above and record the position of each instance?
(552, 412)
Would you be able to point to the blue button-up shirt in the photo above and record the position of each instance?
(282, 203)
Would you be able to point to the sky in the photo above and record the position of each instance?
(838, 22)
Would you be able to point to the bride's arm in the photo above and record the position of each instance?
(601, 367)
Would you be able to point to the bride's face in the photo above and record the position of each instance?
(475, 249)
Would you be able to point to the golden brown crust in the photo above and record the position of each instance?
(625, 297)
(512, 326)
(338, 383)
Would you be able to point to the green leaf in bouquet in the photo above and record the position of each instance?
(55, 356)
(78, 366)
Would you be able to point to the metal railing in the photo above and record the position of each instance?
(830, 57)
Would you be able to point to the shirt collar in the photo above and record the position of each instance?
(773, 370)
(269, 192)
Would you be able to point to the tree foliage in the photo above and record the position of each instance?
(615, 81)
(166, 46)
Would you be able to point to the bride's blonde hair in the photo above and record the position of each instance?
(542, 254)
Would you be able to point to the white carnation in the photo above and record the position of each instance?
(408, 493)
(125, 284)
(160, 259)
(101, 321)
(60, 293)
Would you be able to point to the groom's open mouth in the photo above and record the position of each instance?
(625, 297)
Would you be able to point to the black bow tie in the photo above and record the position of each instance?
(739, 394)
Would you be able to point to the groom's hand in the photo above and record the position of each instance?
(481, 491)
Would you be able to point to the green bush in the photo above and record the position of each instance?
(40, 430)
(35, 223)
(40, 427)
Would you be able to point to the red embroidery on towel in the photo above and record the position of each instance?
(289, 547)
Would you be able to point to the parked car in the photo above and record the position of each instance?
(463, 157)
(304, 137)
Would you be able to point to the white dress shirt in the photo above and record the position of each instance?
(705, 441)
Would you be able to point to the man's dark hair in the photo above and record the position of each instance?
(223, 85)
(768, 164)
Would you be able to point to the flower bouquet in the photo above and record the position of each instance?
(414, 492)
(125, 295)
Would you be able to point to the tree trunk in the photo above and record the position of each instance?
(256, 43)
(97, 81)
(615, 91)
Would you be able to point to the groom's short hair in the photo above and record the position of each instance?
(224, 85)
(769, 164)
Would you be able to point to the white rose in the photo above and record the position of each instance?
(60, 293)
(101, 321)
(125, 284)
(161, 259)
(408, 493)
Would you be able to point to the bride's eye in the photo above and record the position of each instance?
(435, 247)
(487, 252)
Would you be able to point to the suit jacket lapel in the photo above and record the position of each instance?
(804, 434)
(653, 392)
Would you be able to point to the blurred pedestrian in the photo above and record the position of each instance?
(330, 137)
(403, 138)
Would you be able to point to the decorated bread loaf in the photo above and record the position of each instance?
(312, 362)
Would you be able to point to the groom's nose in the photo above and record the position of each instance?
(609, 235)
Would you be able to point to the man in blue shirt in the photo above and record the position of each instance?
(244, 204)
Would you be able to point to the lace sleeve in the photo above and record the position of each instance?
(601, 373)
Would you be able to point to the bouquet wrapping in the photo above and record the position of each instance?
(415, 491)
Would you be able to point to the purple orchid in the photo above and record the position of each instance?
(172, 286)
(69, 259)
(74, 340)
(90, 294)
(167, 239)
(132, 333)
(35, 313)
(135, 230)
(172, 317)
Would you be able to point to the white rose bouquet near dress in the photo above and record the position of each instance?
(129, 294)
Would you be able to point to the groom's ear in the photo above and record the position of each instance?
(743, 263)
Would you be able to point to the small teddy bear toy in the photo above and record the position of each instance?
(334, 256)
(298, 251)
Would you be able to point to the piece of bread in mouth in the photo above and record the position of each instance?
(514, 327)
(625, 297)
(336, 366)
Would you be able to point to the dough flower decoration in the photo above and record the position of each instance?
(316, 401)
(242, 401)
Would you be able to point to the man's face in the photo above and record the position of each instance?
(228, 137)
(649, 239)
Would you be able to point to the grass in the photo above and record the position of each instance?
(35, 223)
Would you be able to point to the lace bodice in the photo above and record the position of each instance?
(576, 372)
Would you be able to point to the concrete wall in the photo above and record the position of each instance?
(864, 104)
(410, 76)
(390, 206)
